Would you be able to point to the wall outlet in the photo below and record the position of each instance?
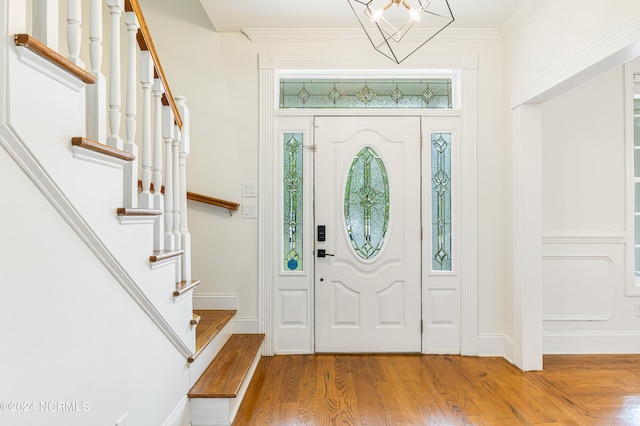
(638, 309)
(122, 421)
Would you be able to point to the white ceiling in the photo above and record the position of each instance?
(234, 15)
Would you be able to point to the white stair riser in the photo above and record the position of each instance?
(220, 411)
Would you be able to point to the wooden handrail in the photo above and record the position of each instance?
(229, 205)
(39, 48)
(145, 42)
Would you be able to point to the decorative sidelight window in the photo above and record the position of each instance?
(366, 203)
(636, 181)
(292, 201)
(370, 93)
(441, 201)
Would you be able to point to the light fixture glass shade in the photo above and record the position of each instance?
(397, 28)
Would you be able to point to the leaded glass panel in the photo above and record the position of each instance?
(441, 201)
(292, 200)
(636, 152)
(352, 93)
(366, 203)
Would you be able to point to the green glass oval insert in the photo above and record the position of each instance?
(366, 203)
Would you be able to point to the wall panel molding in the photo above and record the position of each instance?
(613, 238)
(601, 288)
(607, 342)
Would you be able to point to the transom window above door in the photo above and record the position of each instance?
(366, 93)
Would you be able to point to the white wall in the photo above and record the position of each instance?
(70, 333)
(551, 47)
(559, 30)
(583, 219)
(218, 73)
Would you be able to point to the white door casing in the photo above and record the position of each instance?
(294, 334)
(364, 302)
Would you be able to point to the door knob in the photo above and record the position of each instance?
(323, 253)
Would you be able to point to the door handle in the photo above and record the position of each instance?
(323, 253)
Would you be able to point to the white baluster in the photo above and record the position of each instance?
(167, 135)
(95, 36)
(185, 148)
(115, 102)
(177, 136)
(176, 196)
(158, 198)
(45, 18)
(146, 79)
(131, 168)
(74, 31)
(96, 93)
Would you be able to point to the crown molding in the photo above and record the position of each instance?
(519, 16)
(615, 48)
(357, 35)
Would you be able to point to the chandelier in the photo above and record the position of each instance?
(397, 28)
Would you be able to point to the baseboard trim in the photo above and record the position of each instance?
(495, 345)
(575, 343)
(215, 301)
(246, 325)
(180, 414)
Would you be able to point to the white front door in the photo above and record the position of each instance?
(367, 198)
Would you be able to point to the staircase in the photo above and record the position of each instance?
(92, 179)
(221, 368)
(222, 364)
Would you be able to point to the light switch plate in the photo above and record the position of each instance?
(249, 189)
(249, 210)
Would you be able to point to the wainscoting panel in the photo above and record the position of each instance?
(577, 287)
(585, 308)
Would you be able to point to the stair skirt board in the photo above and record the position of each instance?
(28, 162)
(180, 414)
(220, 411)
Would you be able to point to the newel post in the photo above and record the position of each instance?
(185, 148)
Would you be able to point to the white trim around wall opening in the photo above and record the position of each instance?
(465, 96)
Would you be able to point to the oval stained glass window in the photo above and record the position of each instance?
(366, 203)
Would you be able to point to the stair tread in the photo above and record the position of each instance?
(159, 255)
(211, 322)
(41, 49)
(195, 319)
(102, 148)
(226, 373)
(123, 211)
(182, 287)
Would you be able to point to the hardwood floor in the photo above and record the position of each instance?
(441, 390)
